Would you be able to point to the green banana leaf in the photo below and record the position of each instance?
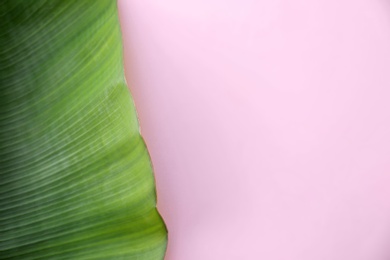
(76, 177)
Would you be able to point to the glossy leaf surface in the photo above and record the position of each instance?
(76, 177)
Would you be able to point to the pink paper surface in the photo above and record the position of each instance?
(268, 123)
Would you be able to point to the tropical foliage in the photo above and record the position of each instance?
(76, 181)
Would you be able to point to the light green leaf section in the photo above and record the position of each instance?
(76, 180)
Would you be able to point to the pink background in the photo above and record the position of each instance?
(268, 123)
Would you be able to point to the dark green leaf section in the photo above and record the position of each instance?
(76, 180)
